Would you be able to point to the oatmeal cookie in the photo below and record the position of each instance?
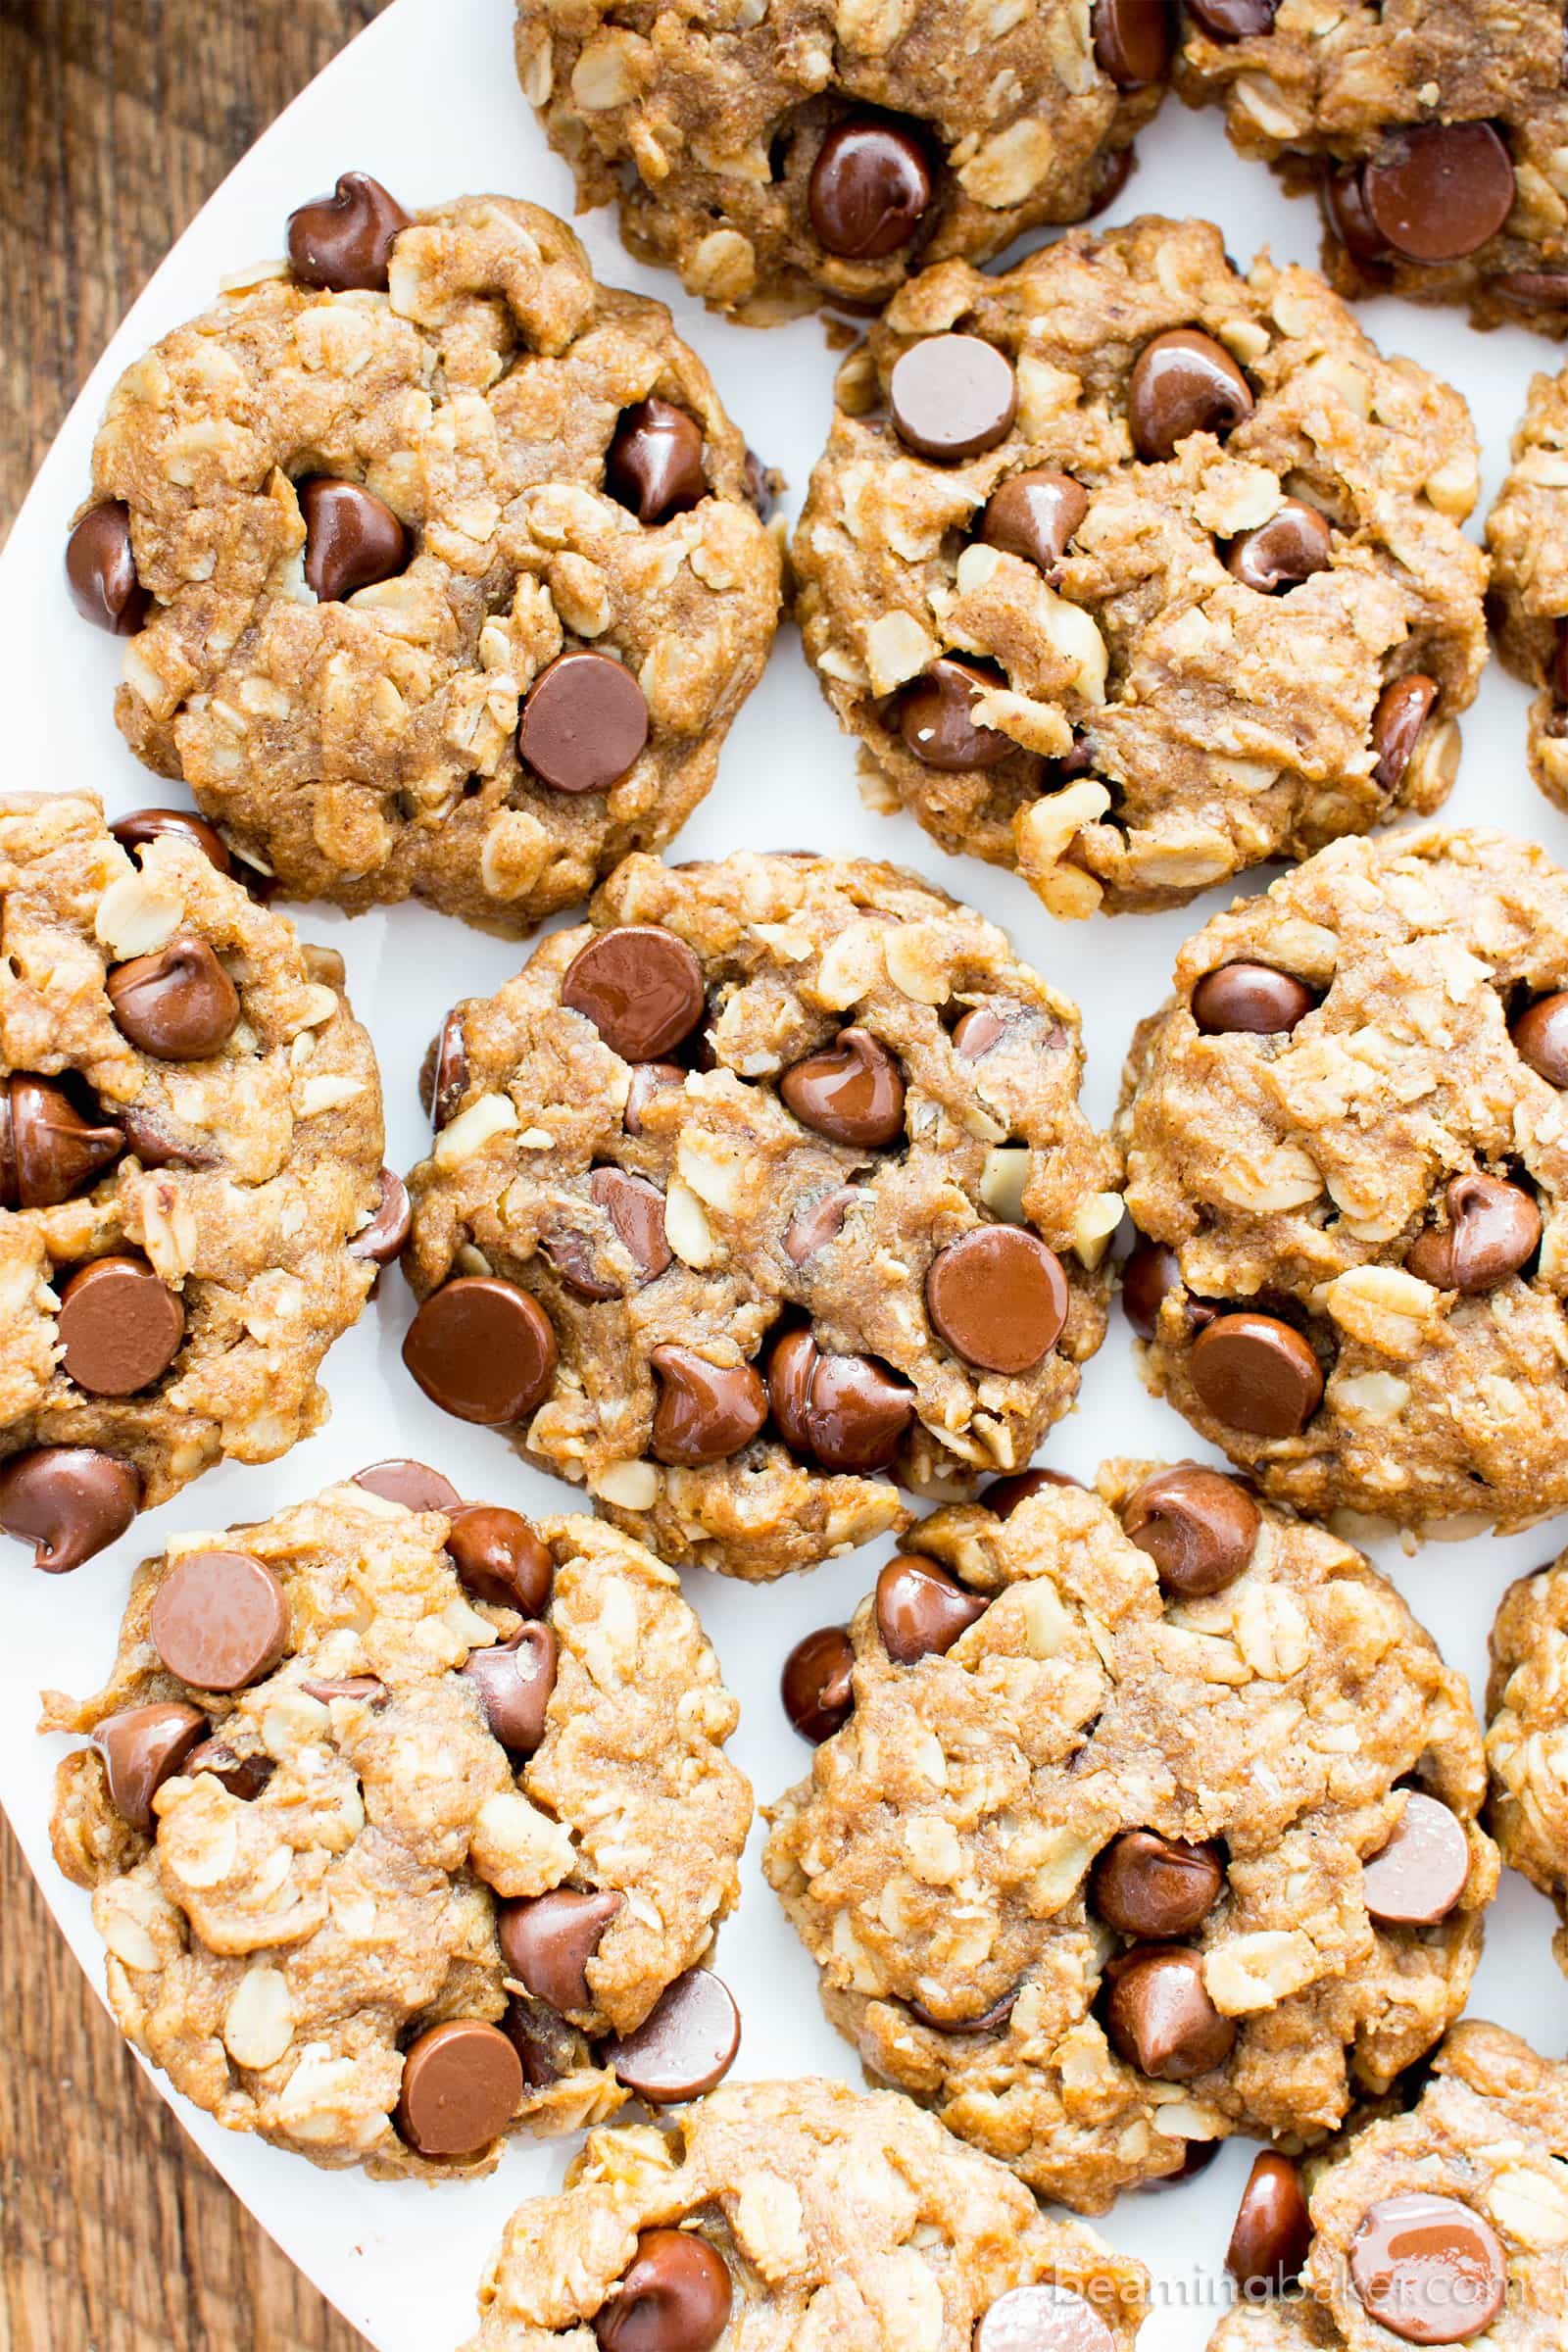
(775, 154)
(437, 562)
(401, 1819)
(1434, 131)
(1527, 532)
(1153, 1819)
(766, 1180)
(192, 1203)
(1130, 571)
(1442, 2222)
(1524, 1743)
(794, 2215)
(1346, 1143)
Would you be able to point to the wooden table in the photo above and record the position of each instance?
(118, 117)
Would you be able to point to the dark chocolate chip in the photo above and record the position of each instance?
(1233, 19)
(1159, 2017)
(937, 722)
(921, 1611)
(655, 463)
(870, 189)
(1438, 191)
(1197, 1526)
(1183, 382)
(120, 1327)
(999, 1298)
(178, 1004)
(1150, 1275)
(101, 570)
(816, 1686)
(1256, 1374)
(344, 241)
(515, 1681)
(1156, 1887)
(48, 1152)
(1132, 41)
(1273, 2230)
(352, 538)
(547, 1944)
(142, 1747)
(482, 1350)
(1251, 997)
(387, 1235)
(640, 986)
(1003, 1495)
(498, 1556)
(706, 1412)
(1035, 513)
(1402, 710)
(584, 724)
(1492, 1230)
(1282, 551)
(68, 1502)
(851, 1091)
(684, 2046)
(845, 1412)
(144, 825)
(676, 2297)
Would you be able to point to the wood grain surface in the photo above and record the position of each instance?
(118, 119)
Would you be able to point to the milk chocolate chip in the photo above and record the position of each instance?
(1183, 382)
(1132, 45)
(144, 825)
(221, 1620)
(816, 1682)
(515, 1681)
(1494, 1229)
(498, 1556)
(1420, 1874)
(1541, 1037)
(921, 1610)
(1156, 1887)
(584, 724)
(999, 1298)
(1438, 191)
(120, 1327)
(548, 1943)
(640, 986)
(952, 397)
(1273, 2230)
(684, 2046)
(482, 1350)
(1430, 2269)
(706, 1412)
(936, 718)
(1042, 2317)
(676, 2297)
(1402, 710)
(1251, 998)
(1282, 551)
(387, 1235)
(413, 1485)
(1197, 1526)
(178, 1004)
(68, 1502)
(1035, 513)
(1159, 2017)
(48, 1152)
(142, 1747)
(846, 1412)
(101, 570)
(851, 1091)
(462, 2086)
(1151, 1271)
(1256, 1373)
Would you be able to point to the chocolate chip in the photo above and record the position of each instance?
(515, 1681)
(547, 1944)
(846, 1412)
(1151, 1273)
(822, 1221)
(999, 1298)
(1541, 1037)
(221, 1620)
(975, 1032)
(1402, 710)
(989, 2021)
(120, 1327)
(365, 1689)
(482, 1350)
(1183, 382)
(851, 1091)
(1420, 1874)
(352, 538)
(1156, 1887)
(387, 1235)
(1273, 2230)
(1557, 676)
(870, 189)
(462, 2086)
(1494, 1229)
(815, 1685)
(1344, 210)
(640, 986)
(1004, 1495)
(1110, 172)
(1282, 551)
(951, 397)
(68, 1502)
(648, 1079)
(1159, 2017)
(101, 570)
(758, 485)
(1533, 289)
(444, 1080)
(936, 718)
(1132, 41)
(1044, 2318)
(413, 1485)
(1035, 513)
(684, 2046)
(655, 463)
(636, 1210)
(1250, 998)
(244, 1777)
(178, 1004)
(676, 2297)
(921, 1610)
(584, 724)
(1256, 1373)
(1437, 191)
(142, 1747)
(1197, 1526)
(1429, 2270)
(144, 825)
(498, 1556)
(1201, 2154)
(1233, 19)
(344, 241)
(156, 1146)
(706, 1412)
(48, 1152)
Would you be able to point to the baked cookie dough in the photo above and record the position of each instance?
(776, 154)
(192, 1203)
(1441, 2222)
(400, 1820)
(1527, 532)
(768, 1179)
(1434, 131)
(1346, 1148)
(1529, 1809)
(1154, 1817)
(437, 562)
(1131, 571)
(803, 2215)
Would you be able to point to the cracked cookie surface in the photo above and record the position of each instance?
(856, 1224)
(1346, 1130)
(1089, 1871)
(1525, 1706)
(775, 155)
(1475, 2165)
(820, 2216)
(1182, 587)
(1434, 130)
(371, 525)
(409, 1807)
(1527, 534)
(190, 1156)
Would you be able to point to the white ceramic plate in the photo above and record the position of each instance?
(427, 100)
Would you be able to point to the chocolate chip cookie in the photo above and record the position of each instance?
(767, 1180)
(1345, 1148)
(1434, 130)
(778, 154)
(1442, 2222)
(407, 1823)
(192, 1203)
(436, 562)
(1130, 571)
(801, 2213)
(1527, 532)
(1153, 1818)
(1529, 1812)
